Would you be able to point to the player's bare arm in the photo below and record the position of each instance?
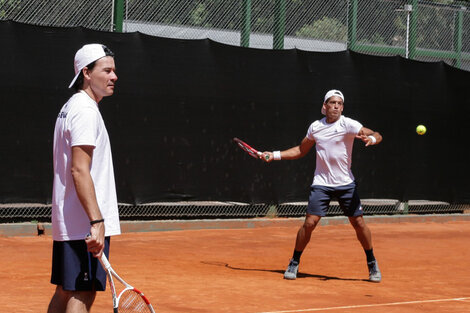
(368, 135)
(293, 153)
(81, 162)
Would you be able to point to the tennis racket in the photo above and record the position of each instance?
(248, 149)
(129, 300)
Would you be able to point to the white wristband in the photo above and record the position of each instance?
(373, 139)
(277, 155)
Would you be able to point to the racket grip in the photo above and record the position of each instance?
(104, 261)
(261, 154)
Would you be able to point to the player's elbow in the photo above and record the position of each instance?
(303, 151)
(77, 171)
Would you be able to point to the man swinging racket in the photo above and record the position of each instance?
(333, 136)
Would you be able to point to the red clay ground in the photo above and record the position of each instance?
(425, 267)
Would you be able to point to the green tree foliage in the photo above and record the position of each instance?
(198, 16)
(326, 28)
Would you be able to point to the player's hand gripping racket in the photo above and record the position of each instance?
(129, 300)
(248, 149)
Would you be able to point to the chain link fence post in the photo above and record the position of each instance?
(118, 15)
(458, 31)
(352, 24)
(413, 29)
(279, 24)
(246, 24)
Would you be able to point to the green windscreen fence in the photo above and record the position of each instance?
(178, 104)
(421, 30)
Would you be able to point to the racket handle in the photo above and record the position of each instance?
(104, 261)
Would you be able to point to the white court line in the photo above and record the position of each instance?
(368, 305)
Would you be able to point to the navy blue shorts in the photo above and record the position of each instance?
(75, 269)
(347, 196)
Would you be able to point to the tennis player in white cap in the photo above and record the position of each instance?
(333, 137)
(84, 194)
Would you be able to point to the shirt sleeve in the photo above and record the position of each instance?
(84, 128)
(353, 126)
(311, 130)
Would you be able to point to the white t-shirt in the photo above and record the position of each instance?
(334, 143)
(80, 123)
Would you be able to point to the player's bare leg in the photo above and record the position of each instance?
(305, 232)
(80, 302)
(59, 301)
(303, 237)
(362, 231)
(71, 301)
(364, 236)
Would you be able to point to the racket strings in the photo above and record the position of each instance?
(132, 302)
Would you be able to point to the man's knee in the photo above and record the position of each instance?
(311, 221)
(358, 222)
(85, 297)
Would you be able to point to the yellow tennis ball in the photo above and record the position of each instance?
(421, 129)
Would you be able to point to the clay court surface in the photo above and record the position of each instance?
(425, 267)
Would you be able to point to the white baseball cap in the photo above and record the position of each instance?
(328, 95)
(86, 55)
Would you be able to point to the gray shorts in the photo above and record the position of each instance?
(347, 196)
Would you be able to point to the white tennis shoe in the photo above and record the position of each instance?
(292, 269)
(374, 272)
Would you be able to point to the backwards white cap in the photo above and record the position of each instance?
(328, 95)
(86, 55)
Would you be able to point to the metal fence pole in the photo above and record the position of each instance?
(457, 62)
(246, 24)
(352, 24)
(413, 29)
(408, 8)
(118, 15)
(279, 24)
